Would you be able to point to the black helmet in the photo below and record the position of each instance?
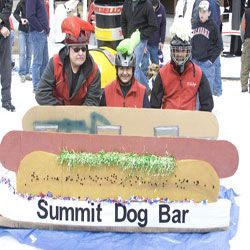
(180, 51)
(124, 60)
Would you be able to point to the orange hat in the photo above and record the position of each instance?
(75, 28)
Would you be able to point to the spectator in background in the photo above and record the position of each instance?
(157, 39)
(216, 17)
(245, 57)
(5, 54)
(24, 42)
(39, 30)
(215, 12)
(139, 14)
(71, 76)
(125, 91)
(206, 43)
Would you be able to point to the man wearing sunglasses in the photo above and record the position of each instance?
(71, 77)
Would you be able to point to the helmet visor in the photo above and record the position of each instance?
(180, 54)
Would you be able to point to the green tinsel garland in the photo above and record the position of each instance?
(148, 163)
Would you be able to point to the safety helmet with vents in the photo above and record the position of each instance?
(124, 60)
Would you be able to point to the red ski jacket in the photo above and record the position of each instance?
(180, 91)
(133, 99)
(61, 91)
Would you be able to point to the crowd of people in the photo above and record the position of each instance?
(71, 77)
(33, 29)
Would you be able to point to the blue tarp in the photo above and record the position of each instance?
(47, 239)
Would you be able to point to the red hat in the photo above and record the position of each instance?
(75, 28)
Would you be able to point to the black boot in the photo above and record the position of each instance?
(8, 106)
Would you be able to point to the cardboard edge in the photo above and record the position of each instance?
(7, 223)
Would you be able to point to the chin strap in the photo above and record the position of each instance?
(180, 68)
(125, 84)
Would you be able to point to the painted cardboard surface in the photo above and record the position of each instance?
(136, 122)
(40, 172)
(222, 155)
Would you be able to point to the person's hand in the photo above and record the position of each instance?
(24, 21)
(5, 32)
(161, 45)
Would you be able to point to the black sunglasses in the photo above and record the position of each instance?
(77, 49)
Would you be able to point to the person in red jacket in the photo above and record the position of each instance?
(71, 77)
(180, 82)
(125, 91)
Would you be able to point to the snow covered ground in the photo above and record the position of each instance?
(231, 110)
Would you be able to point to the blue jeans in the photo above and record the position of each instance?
(39, 46)
(24, 53)
(217, 81)
(139, 52)
(208, 69)
(152, 54)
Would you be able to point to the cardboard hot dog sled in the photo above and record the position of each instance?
(115, 183)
